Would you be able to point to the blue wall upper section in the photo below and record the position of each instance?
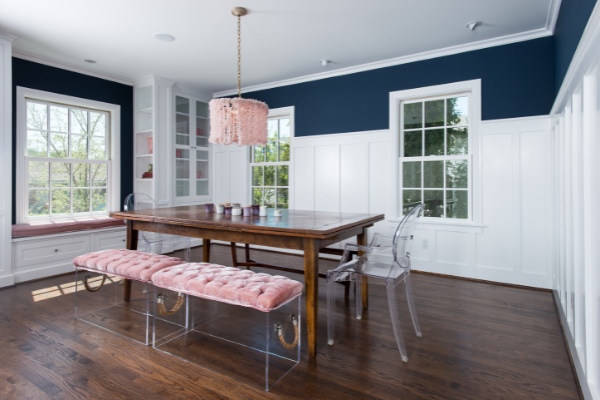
(572, 20)
(517, 81)
(50, 79)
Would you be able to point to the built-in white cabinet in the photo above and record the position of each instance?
(172, 154)
(191, 150)
(43, 256)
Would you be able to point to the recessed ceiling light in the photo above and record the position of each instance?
(163, 37)
(90, 61)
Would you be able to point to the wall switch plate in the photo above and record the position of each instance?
(425, 244)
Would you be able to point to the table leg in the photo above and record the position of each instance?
(206, 250)
(131, 244)
(234, 254)
(311, 278)
(361, 240)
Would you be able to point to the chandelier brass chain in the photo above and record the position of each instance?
(239, 82)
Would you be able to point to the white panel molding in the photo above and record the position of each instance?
(464, 48)
(586, 389)
(6, 276)
(583, 58)
(85, 71)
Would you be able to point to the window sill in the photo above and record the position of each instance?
(478, 228)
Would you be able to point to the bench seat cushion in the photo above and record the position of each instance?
(41, 228)
(128, 264)
(263, 292)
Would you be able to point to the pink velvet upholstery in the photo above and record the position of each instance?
(129, 264)
(42, 228)
(263, 292)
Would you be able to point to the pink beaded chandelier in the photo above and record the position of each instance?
(237, 120)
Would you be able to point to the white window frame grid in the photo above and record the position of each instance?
(112, 137)
(473, 90)
(444, 158)
(278, 113)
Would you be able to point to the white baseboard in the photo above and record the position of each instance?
(579, 370)
(44, 272)
(7, 280)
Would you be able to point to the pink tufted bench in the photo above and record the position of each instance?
(104, 309)
(246, 288)
(222, 337)
(127, 264)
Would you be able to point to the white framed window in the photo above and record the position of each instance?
(67, 157)
(436, 135)
(270, 165)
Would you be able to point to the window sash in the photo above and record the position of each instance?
(71, 187)
(424, 158)
(275, 164)
(89, 135)
(69, 132)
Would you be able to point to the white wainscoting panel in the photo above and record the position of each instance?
(327, 178)
(575, 212)
(231, 178)
(350, 172)
(303, 159)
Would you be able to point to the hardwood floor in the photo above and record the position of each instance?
(480, 341)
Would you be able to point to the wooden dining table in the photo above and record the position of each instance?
(308, 231)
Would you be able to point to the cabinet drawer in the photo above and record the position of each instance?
(44, 251)
(109, 240)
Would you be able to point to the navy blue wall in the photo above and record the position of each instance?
(50, 79)
(571, 22)
(517, 81)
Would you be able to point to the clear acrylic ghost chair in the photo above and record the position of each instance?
(155, 242)
(385, 261)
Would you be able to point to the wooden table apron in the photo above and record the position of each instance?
(308, 242)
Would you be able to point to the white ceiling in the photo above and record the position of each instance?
(280, 39)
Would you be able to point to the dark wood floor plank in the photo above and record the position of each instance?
(480, 341)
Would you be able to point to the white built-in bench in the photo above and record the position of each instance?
(42, 249)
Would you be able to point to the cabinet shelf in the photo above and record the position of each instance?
(180, 113)
(144, 179)
(145, 155)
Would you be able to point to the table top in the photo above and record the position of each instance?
(292, 221)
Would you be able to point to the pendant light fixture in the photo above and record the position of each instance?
(237, 120)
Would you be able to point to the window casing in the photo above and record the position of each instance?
(270, 165)
(67, 157)
(435, 156)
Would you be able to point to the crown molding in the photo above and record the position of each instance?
(584, 56)
(463, 48)
(7, 36)
(57, 64)
(552, 17)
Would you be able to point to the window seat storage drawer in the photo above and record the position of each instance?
(43, 256)
(109, 240)
(39, 258)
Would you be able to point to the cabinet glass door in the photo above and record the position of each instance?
(202, 151)
(182, 147)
